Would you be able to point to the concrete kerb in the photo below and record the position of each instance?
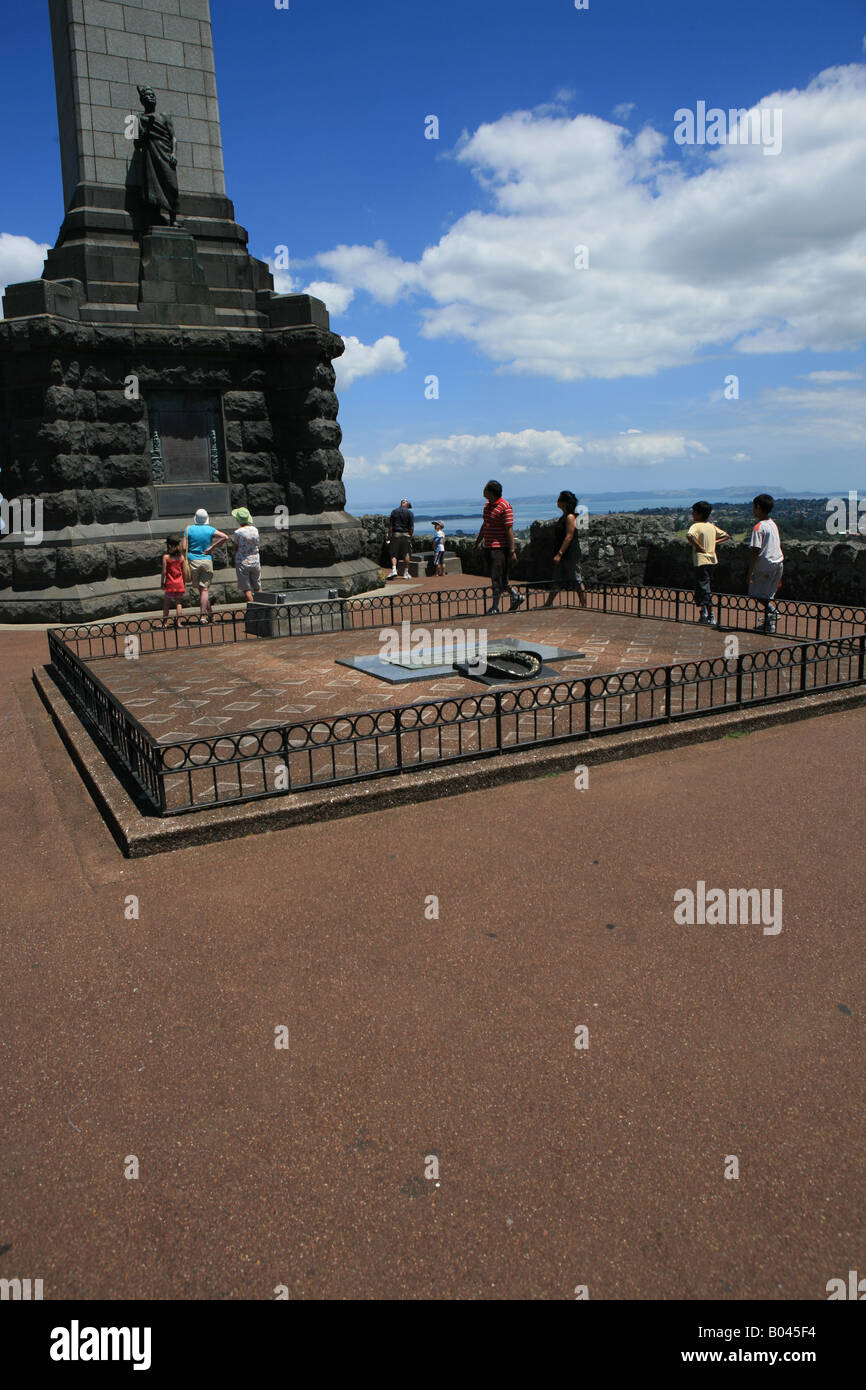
(139, 835)
(189, 615)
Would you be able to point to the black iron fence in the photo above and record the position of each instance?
(828, 651)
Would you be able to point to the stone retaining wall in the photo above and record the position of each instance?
(628, 549)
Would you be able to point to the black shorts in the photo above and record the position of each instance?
(401, 547)
(571, 575)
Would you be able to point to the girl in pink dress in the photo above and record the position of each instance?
(173, 579)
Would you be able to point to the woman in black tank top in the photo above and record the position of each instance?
(567, 572)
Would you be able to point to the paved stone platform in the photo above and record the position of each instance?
(258, 683)
(305, 1167)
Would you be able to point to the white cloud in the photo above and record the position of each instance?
(829, 378)
(741, 458)
(638, 450)
(623, 111)
(690, 249)
(358, 467)
(337, 298)
(530, 450)
(537, 451)
(371, 268)
(21, 258)
(828, 414)
(284, 282)
(368, 359)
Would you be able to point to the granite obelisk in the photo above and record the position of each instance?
(153, 369)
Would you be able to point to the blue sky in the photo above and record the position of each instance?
(455, 257)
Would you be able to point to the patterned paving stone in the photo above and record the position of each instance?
(255, 683)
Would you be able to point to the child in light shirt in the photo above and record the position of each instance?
(765, 559)
(703, 536)
(439, 548)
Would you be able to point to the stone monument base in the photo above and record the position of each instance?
(81, 409)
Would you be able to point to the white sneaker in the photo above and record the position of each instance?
(407, 575)
(393, 574)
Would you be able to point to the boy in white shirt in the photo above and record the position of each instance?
(765, 559)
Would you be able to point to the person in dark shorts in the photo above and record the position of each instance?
(497, 533)
(401, 529)
(703, 536)
(567, 572)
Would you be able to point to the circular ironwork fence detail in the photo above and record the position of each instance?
(428, 715)
(271, 740)
(529, 699)
(319, 734)
(224, 749)
(250, 745)
(714, 666)
(198, 752)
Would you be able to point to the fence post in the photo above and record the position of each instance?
(861, 665)
(738, 693)
(398, 735)
(497, 697)
(157, 762)
(668, 689)
(677, 614)
(639, 599)
(604, 597)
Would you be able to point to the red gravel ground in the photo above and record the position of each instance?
(412, 1035)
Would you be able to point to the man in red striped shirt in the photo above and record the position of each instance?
(497, 532)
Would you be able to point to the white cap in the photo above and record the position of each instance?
(201, 517)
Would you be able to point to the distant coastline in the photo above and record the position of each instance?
(801, 516)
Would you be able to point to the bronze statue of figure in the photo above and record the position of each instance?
(157, 150)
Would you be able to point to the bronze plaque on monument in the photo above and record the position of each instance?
(186, 449)
(185, 437)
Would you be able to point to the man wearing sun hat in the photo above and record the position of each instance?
(248, 562)
(199, 542)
